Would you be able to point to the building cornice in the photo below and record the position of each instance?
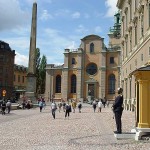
(119, 3)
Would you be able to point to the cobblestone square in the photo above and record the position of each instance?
(32, 130)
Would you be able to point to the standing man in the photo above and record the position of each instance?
(117, 108)
(53, 107)
(8, 105)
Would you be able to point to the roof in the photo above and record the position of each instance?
(91, 37)
(145, 68)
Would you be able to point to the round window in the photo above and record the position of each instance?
(91, 69)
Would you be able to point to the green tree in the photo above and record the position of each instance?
(42, 73)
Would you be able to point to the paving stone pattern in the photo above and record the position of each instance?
(32, 130)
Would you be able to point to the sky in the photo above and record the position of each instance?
(61, 24)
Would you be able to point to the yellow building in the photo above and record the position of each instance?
(90, 71)
(20, 73)
(135, 70)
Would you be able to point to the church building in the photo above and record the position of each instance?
(92, 70)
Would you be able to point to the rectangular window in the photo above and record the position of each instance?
(141, 57)
(14, 77)
(126, 13)
(130, 40)
(111, 60)
(18, 78)
(22, 79)
(1, 83)
(130, 10)
(1, 70)
(142, 24)
(126, 47)
(135, 34)
(1, 58)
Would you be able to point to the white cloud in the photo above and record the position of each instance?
(81, 29)
(98, 29)
(76, 15)
(62, 12)
(72, 46)
(11, 15)
(45, 15)
(111, 5)
(21, 59)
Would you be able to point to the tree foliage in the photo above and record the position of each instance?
(40, 72)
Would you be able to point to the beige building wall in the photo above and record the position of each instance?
(135, 32)
(84, 81)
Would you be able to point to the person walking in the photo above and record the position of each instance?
(8, 105)
(59, 106)
(94, 105)
(64, 105)
(41, 105)
(3, 107)
(118, 109)
(68, 110)
(104, 101)
(100, 104)
(79, 106)
(53, 108)
(74, 104)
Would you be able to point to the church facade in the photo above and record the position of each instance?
(92, 70)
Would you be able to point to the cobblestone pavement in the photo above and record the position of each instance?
(32, 130)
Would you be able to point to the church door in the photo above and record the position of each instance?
(91, 90)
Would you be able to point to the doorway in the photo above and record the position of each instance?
(91, 90)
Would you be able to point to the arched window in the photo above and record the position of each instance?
(91, 48)
(58, 84)
(111, 84)
(73, 60)
(73, 83)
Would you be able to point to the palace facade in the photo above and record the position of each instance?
(135, 45)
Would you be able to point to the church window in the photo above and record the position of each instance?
(111, 60)
(91, 48)
(73, 60)
(111, 84)
(91, 69)
(58, 84)
(18, 78)
(73, 83)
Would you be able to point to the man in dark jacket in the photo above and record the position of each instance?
(117, 108)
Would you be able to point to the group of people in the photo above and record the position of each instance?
(101, 103)
(117, 108)
(26, 104)
(5, 105)
(67, 107)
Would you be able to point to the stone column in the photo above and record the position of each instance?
(31, 77)
(65, 75)
(79, 76)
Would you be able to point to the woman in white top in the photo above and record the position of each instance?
(100, 104)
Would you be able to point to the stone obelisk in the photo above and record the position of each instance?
(31, 75)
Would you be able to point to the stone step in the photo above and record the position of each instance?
(125, 135)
